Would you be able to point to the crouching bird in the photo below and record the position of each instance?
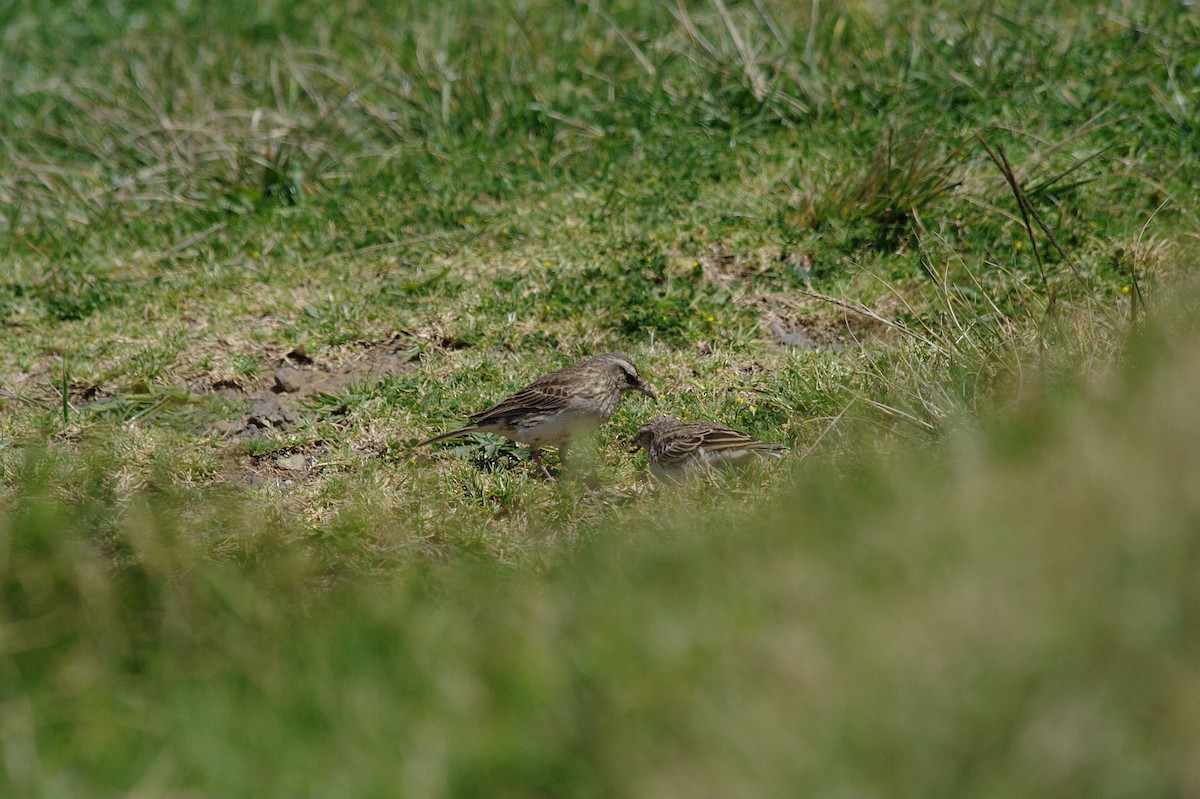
(677, 448)
(554, 410)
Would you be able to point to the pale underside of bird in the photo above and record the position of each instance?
(677, 449)
(558, 408)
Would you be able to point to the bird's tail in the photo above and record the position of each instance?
(462, 431)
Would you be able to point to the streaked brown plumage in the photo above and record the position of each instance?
(678, 448)
(557, 408)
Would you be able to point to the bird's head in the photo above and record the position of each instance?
(624, 374)
(645, 435)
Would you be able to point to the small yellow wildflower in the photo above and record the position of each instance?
(1124, 289)
(695, 264)
(712, 319)
(742, 400)
(1017, 245)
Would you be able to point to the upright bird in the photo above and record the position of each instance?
(557, 408)
(678, 448)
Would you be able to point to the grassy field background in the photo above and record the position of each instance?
(944, 252)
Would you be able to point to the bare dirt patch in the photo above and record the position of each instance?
(788, 319)
(792, 325)
(278, 401)
(281, 399)
(281, 469)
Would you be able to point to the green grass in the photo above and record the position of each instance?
(973, 576)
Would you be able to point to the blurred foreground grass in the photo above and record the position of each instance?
(1013, 610)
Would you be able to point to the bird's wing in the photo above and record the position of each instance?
(538, 396)
(679, 443)
(718, 438)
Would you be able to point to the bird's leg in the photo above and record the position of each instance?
(536, 456)
(562, 455)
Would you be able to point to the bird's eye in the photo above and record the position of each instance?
(631, 378)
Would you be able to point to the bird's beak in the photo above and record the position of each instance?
(645, 389)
